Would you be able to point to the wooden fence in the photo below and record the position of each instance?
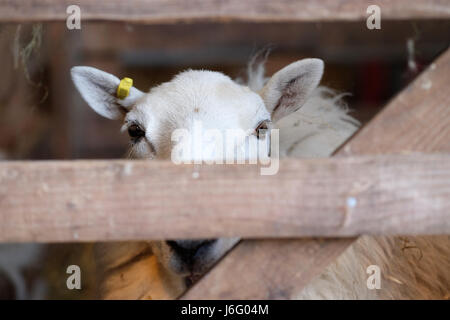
(163, 11)
(391, 177)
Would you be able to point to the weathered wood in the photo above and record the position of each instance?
(169, 11)
(122, 200)
(416, 120)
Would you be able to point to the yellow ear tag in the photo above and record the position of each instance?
(123, 90)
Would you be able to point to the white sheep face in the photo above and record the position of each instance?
(208, 98)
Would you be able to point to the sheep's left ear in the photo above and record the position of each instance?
(288, 89)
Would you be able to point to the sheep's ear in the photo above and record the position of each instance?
(98, 89)
(288, 89)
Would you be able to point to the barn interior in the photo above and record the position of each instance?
(43, 117)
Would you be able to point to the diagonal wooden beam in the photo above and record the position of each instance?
(416, 120)
(169, 11)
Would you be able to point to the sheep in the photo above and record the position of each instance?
(312, 121)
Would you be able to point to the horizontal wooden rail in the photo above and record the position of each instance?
(168, 11)
(122, 200)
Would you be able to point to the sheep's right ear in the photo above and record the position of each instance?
(289, 88)
(98, 89)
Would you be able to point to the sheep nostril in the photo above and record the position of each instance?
(172, 244)
(188, 247)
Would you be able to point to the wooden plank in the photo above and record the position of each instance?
(122, 200)
(416, 120)
(169, 11)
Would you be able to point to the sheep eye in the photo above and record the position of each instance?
(262, 126)
(135, 131)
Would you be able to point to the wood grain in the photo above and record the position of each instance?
(121, 200)
(169, 11)
(416, 120)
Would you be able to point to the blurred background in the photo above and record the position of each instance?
(43, 117)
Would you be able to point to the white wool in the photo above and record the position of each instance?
(411, 268)
(318, 127)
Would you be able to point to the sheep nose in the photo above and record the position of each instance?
(188, 248)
